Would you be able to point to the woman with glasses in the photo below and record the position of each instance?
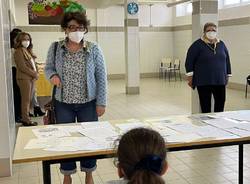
(77, 68)
(208, 68)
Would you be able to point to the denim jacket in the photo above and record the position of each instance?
(95, 68)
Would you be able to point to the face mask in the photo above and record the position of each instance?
(76, 36)
(25, 44)
(211, 35)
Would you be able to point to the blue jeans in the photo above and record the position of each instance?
(69, 113)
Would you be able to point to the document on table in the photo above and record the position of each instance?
(124, 127)
(244, 125)
(239, 132)
(182, 138)
(50, 131)
(221, 123)
(104, 136)
(209, 131)
(71, 128)
(183, 127)
(243, 115)
(163, 129)
(64, 144)
(38, 144)
(75, 144)
(97, 124)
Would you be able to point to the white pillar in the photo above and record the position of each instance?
(203, 11)
(7, 122)
(132, 50)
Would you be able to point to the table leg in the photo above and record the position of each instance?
(241, 165)
(46, 173)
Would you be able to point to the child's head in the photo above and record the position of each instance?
(142, 156)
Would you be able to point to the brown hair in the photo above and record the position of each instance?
(133, 148)
(18, 42)
(209, 24)
(79, 17)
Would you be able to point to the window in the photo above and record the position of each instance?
(189, 8)
(184, 9)
(231, 2)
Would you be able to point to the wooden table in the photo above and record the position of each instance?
(25, 134)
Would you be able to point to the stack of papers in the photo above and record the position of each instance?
(49, 132)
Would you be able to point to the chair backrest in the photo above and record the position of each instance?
(248, 79)
(166, 62)
(177, 63)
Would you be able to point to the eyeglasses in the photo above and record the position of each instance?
(75, 28)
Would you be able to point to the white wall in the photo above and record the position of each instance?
(236, 37)
(155, 44)
(7, 123)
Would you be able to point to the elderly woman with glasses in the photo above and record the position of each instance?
(208, 68)
(77, 68)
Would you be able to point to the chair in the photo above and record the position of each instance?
(165, 65)
(176, 67)
(247, 83)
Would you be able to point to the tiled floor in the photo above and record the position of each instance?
(157, 98)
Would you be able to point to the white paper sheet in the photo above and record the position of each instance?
(97, 124)
(184, 127)
(70, 129)
(240, 132)
(74, 144)
(50, 131)
(37, 144)
(124, 127)
(182, 138)
(163, 129)
(221, 123)
(209, 131)
(243, 115)
(244, 126)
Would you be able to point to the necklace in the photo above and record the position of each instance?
(213, 49)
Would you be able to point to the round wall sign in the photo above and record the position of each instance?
(132, 8)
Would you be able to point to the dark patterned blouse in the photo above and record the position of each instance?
(74, 78)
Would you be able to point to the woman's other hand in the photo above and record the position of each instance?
(190, 81)
(56, 81)
(100, 110)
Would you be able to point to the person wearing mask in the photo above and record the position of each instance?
(26, 73)
(141, 157)
(208, 68)
(16, 89)
(77, 68)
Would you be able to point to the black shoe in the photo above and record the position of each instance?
(32, 123)
(38, 111)
(18, 119)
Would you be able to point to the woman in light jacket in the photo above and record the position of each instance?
(26, 74)
(77, 68)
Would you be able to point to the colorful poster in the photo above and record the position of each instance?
(51, 12)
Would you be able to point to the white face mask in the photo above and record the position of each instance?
(211, 35)
(76, 36)
(25, 44)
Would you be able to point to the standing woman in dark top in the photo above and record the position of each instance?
(208, 68)
(16, 89)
